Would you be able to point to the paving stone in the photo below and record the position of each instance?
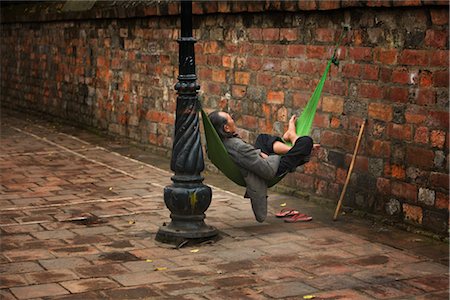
(140, 278)
(61, 263)
(184, 287)
(6, 295)
(54, 234)
(394, 289)
(51, 276)
(346, 294)
(140, 292)
(7, 281)
(39, 290)
(100, 270)
(288, 289)
(24, 255)
(80, 250)
(430, 283)
(20, 267)
(96, 295)
(242, 294)
(85, 285)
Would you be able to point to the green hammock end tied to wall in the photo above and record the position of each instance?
(219, 156)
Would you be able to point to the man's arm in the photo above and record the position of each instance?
(250, 159)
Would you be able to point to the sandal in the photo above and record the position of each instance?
(298, 218)
(287, 212)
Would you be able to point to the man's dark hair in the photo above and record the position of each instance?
(219, 122)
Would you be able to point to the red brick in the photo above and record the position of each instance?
(333, 104)
(214, 60)
(329, 138)
(316, 52)
(238, 91)
(210, 47)
(307, 5)
(439, 180)
(242, 78)
(351, 70)
(421, 135)
(255, 34)
(400, 132)
(401, 75)
(440, 78)
(271, 34)
(437, 139)
(436, 38)
(91, 284)
(219, 76)
(439, 58)
(383, 186)
(414, 57)
(275, 97)
(377, 148)
(441, 201)
(419, 157)
(321, 120)
(227, 61)
(296, 50)
(439, 16)
(386, 75)
(398, 94)
(386, 56)
(325, 35)
(371, 91)
(211, 7)
(370, 72)
(254, 63)
(407, 3)
(264, 79)
(404, 190)
(438, 119)
(412, 213)
(275, 50)
(250, 122)
(360, 53)
(398, 172)
(329, 4)
(425, 79)
(288, 34)
(380, 111)
(415, 115)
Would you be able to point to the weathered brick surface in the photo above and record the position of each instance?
(118, 76)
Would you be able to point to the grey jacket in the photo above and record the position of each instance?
(256, 172)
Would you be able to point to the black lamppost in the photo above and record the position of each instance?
(187, 198)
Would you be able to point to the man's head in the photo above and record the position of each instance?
(223, 123)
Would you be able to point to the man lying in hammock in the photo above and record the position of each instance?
(270, 157)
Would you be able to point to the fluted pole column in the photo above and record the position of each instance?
(187, 197)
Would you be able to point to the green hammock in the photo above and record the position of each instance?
(217, 152)
(219, 156)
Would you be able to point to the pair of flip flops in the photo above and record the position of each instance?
(291, 216)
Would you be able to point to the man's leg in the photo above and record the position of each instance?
(296, 156)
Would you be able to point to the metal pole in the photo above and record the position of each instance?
(187, 197)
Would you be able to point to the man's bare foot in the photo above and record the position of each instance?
(290, 134)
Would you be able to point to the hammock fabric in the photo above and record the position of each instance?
(217, 152)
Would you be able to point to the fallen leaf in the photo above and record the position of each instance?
(131, 222)
(160, 269)
(309, 297)
(149, 260)
(110, 188)
(194, 250)
(283, 204)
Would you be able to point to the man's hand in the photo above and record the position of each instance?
(263, 155)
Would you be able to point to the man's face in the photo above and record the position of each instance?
(230, 126)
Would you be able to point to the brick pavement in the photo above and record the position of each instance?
(78, 221)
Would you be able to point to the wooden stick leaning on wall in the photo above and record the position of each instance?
(350, 169)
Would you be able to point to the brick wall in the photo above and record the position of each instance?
(114, 66)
